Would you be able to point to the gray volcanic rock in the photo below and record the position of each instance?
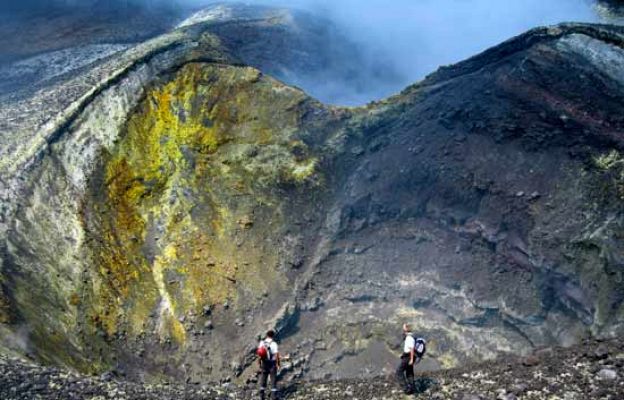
(428, 230)
(29, 28)
(142, 188)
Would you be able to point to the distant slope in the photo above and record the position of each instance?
(29, 27)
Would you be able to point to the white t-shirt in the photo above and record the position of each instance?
(409, 344)
(272, 346)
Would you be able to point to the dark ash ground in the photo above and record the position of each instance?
(591, 370)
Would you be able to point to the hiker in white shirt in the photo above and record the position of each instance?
(269, 362)
(405, 371)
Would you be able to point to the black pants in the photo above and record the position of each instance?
(405, 373)
(269, 369)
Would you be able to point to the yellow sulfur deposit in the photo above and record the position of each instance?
(202, 152)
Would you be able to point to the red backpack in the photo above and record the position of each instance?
(264, 351)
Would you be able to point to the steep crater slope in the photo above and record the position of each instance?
(176, 202)
(486, 208)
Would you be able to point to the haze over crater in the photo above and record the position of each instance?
(399, 41)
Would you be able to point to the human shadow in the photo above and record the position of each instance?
(423, 383)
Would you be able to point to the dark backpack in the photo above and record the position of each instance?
(420, 347)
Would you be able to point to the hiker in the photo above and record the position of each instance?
(413, 350)
(269, 361)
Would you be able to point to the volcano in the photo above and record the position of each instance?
(164, 203)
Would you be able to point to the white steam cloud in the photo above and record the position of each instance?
(418, 36)
(415, 37)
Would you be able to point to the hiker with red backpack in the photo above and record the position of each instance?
(413, 351)
(269, 361)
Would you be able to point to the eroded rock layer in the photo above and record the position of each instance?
(169, 202)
